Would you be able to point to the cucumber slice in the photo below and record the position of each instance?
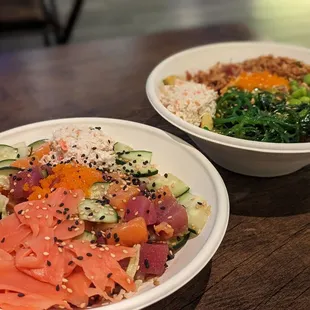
(9, 171)
(197, 209)
(87, 236)
(176, 186)
(6, 163)
(178, 242)
(35, 145)
(139, 156)
(94, 210)
(22, 149)
(139, 169)
(98, 190)
(120, 147)
(8, 152)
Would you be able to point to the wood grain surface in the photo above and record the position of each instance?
(264, 260)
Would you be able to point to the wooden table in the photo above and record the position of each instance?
(264, 260)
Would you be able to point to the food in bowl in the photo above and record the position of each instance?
(87, 220)
(263, 99)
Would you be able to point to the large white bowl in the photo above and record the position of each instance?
(253, 158)
(172, 155)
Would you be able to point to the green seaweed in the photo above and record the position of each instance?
(261, 116)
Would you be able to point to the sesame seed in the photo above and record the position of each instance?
(169, 217)
(57, 287)
(79, 257)
(60, 249)
(69, 290)
(134, 198)
(20, 295)
(89, 254)
(48, 263)
(125, 251)
(20, 212)
(136, 213)
(27, 216)
(109, 275)
(2, 240)
(128, 281)
(112, 255)
(39, 196)
(70, 262)
(63, 286)
(47, 238)
(146, 263)
(46, 253)
(37, 207)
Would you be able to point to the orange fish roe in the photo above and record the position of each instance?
(262, 80)
(67, 176)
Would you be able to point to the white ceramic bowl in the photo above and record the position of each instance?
(191, 166)
(253, 158)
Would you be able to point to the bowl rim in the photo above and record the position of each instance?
(257, 146)
(211, 244)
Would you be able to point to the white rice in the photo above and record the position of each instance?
(189, 100)
(86, 146)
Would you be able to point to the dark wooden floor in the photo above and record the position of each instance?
(281, 20)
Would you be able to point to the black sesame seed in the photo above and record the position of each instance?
(153, 196)
(139, 155)
(65, 193)
(124, 187)
(134, 161)
(102, 217)
(162, 208)
(83, 155)
(146, 264)
(98, 128)
(127, 211)
(20, 295)
(170, 256)
(166, 175)
(76, 222)
(70, 262)
(18, 179)
(89, 254)
(117, 239)
(58, 222)
(178, 238)
(61, 205)
(2, 240)
(115, 235)
(113, 195)
(147, 211)
(70, 228)
(159, 196)
(18, 156)
(97, 156)
(109, 275)
(87, 208)
(200, 203)
(79, 257)
(48, 263)
(91, 214)
(66, 209)
(93, 241)
(153, 184)
(94, 148)
(58, 211)
(55, 239)
(108, 235)
(20, 211)
(46, 195)
(164, 193)
(68, 216)
(57, 288)
(85, 161)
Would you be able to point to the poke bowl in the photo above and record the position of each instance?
(98, 213)
(245, 104)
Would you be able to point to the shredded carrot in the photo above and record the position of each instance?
(67, 176)
(262, 80)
